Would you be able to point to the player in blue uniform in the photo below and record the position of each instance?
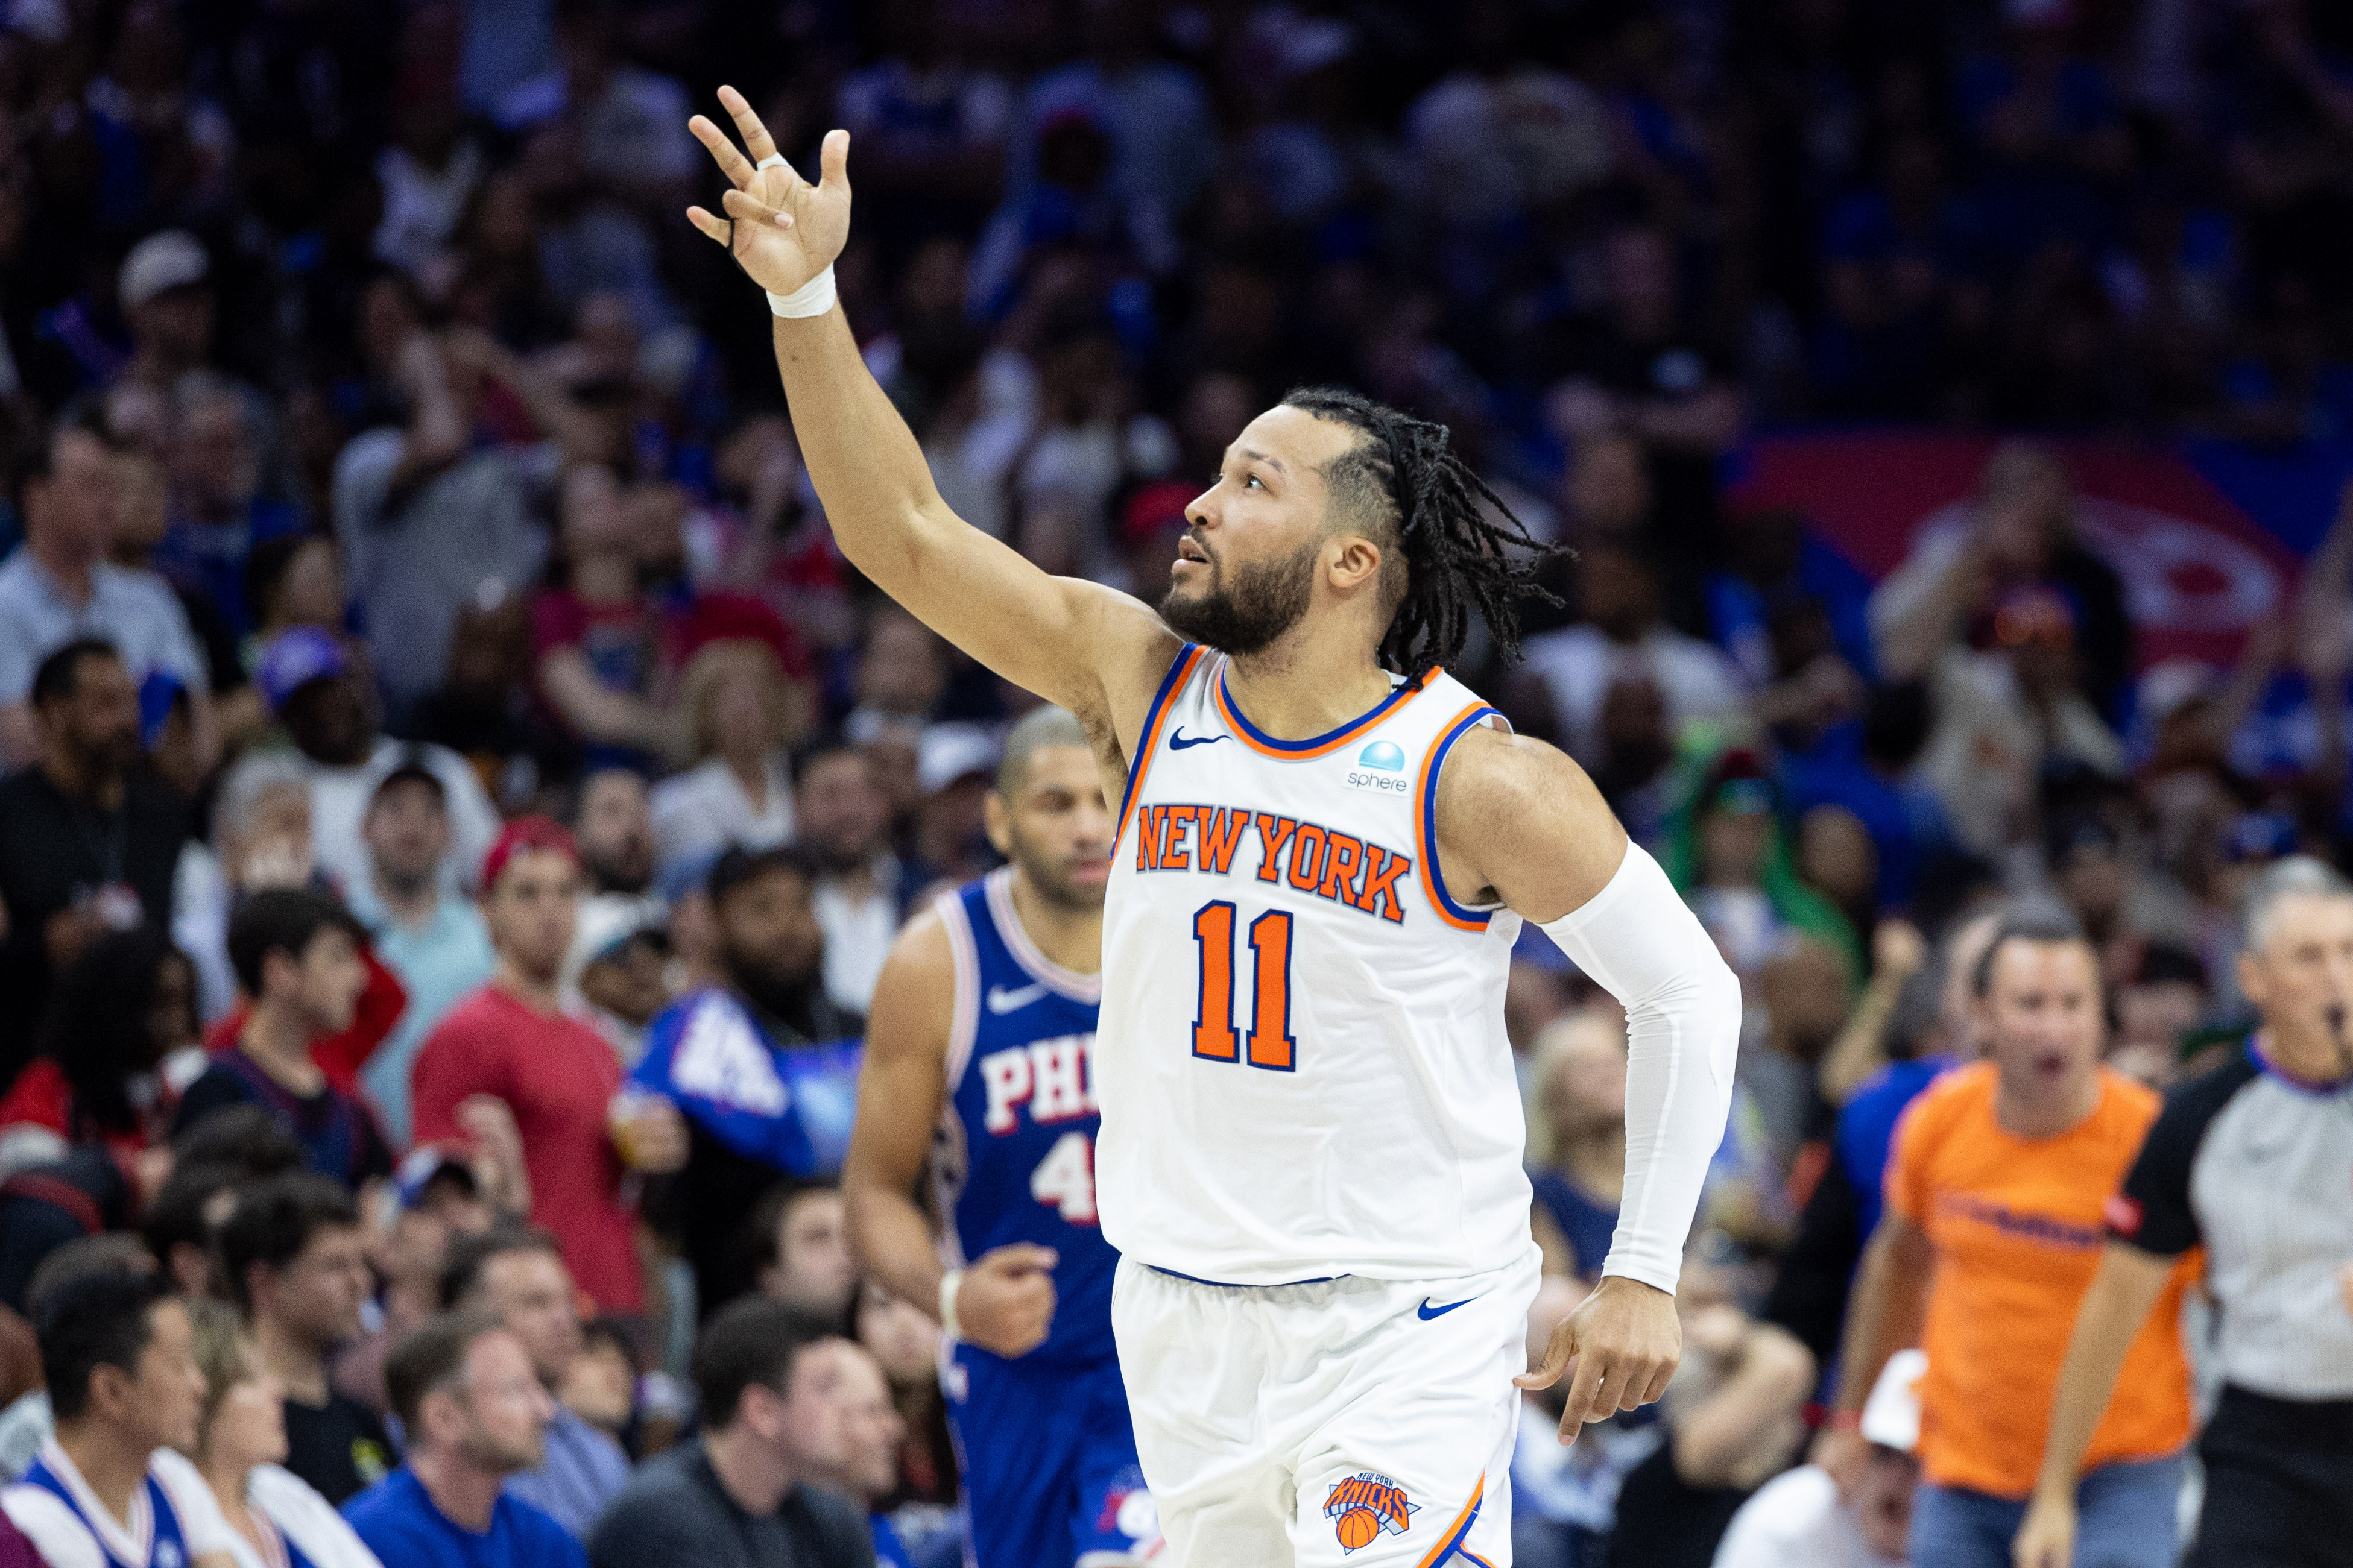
(978, 1071)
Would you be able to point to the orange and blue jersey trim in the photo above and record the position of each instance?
(1458, 1532)
(1425, 819)
(1180, 670)
(1330, 741)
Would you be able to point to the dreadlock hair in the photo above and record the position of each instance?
(1451, 559)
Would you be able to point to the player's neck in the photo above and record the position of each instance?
(1072, 937)
(1303, 688)
(112, 1464)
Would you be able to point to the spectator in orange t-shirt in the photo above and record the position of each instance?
(1992, 1234)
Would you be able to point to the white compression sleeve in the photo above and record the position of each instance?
(1642, 943)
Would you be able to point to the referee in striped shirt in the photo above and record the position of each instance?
(2254, 1161)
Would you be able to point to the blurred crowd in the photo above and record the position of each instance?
(424, 660)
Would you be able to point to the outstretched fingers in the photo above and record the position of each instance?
(756, 140)
(732, 164)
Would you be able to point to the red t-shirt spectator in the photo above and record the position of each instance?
(558, 1078)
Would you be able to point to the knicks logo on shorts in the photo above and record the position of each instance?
(1364, 1505)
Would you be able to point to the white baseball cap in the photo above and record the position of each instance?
(171, 260)
(950, 751)
(1891, 1417)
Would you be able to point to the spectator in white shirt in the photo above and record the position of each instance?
(329, 711)
(742, 711)
(845, 817)
(60, 586)
(1798, 1519)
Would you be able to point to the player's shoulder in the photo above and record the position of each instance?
(1492, 770)
(924, 949)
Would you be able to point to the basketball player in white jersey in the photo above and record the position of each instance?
(1311, 1141)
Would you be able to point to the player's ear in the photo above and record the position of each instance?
(999, 823)
(1351, 561)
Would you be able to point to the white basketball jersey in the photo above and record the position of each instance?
(1300, 1055)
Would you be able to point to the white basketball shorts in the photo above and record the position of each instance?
(1365, 1422)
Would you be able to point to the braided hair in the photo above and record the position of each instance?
(1448, 559)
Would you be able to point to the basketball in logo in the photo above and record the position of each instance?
(1357, 1528)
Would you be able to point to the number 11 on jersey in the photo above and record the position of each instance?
(1269, 1044)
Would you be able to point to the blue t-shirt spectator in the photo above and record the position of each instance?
(1866, 1129)
(1585, 1223)
(397, 1520)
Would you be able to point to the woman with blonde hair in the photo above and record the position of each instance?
(277, 1520)
(742, 711)
(1577, 1139)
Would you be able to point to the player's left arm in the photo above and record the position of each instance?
(1519, 822)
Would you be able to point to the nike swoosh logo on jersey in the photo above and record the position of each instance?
(1426, 1311)
(1177, 742)
(1001, 1001)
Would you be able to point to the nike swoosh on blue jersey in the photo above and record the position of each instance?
(1426, 1311)
(1001, 1001)
(1177, 742)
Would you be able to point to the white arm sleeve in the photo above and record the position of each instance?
(1642, 943)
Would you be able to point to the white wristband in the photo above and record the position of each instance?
(814, 298)
(950, 1282)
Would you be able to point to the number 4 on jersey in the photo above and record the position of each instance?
(1065, 1179)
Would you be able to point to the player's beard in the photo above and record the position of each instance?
(1051, 876)
(1245, 617)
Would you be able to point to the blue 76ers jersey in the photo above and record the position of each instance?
(1014, 1159)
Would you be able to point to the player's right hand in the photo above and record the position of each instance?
(2046, 1537)
(1006, 1304)
(784, 230)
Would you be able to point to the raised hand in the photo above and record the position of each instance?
(781, 229)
